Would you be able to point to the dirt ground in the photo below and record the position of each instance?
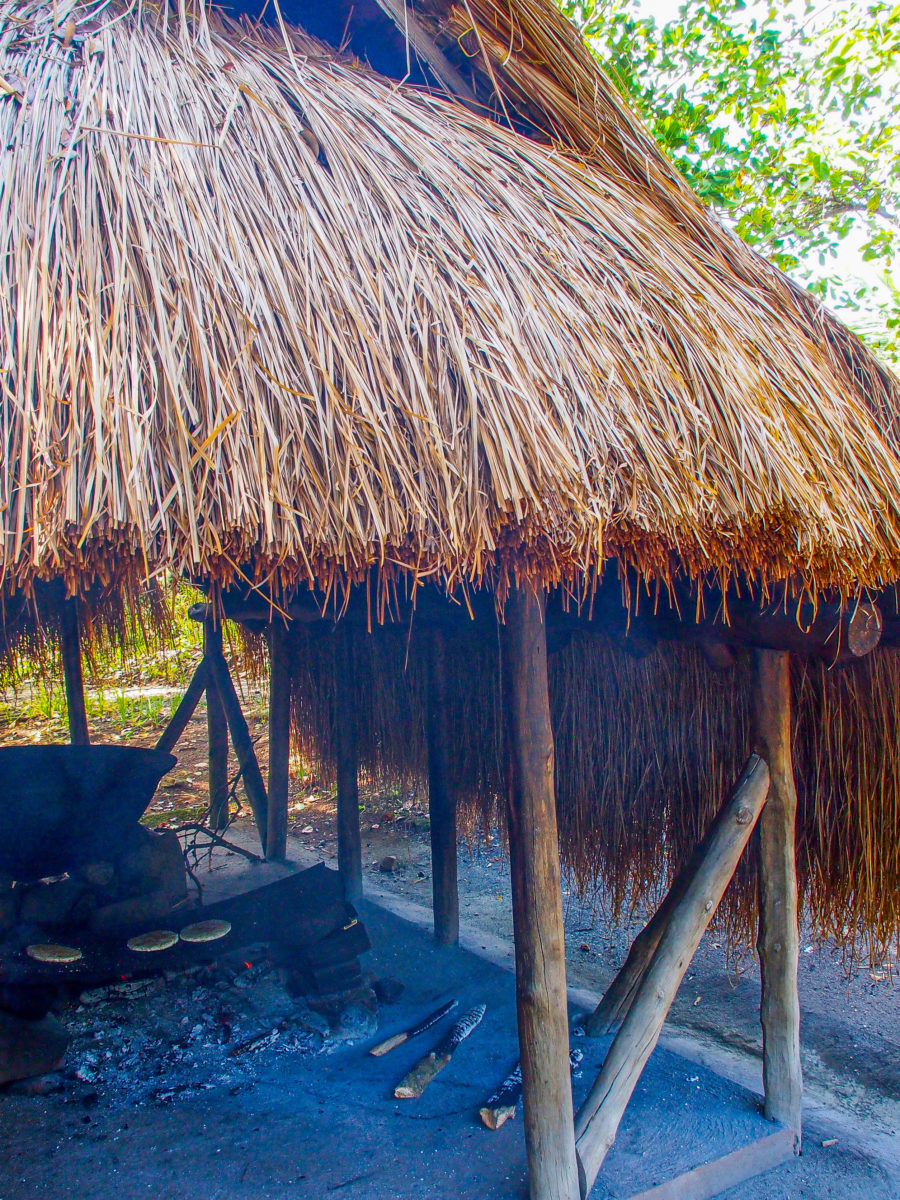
(313, 1126)
(850, 1033)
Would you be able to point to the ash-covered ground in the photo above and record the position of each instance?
(166, 1037)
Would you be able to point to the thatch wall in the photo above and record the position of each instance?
(646, 750)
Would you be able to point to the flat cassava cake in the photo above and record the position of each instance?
(48, 952)
(150, 943)
(205, 931)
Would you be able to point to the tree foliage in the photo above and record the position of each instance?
(786, 118)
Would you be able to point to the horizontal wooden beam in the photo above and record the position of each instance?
(828, 630)
(720, 1174)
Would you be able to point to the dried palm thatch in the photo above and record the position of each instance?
(645, 750)
(262, 310)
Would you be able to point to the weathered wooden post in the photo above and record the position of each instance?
(70, 646)
(441, 801)
(778, 941)
(537, 903)
(280, 657)
(349, 840)
(216, 734)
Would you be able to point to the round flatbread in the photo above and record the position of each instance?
(205, 931)
(150, 943)
(49, 953)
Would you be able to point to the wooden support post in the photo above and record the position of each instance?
(441, 801)
(243, 744)
(600, 1115)
(349, 840)
(280, 657)
(541, 999)
(70, 645)
(168, 739)
(778, 941)
(216, 733)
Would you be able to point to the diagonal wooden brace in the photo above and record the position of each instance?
(599, 1117)
(220, 677)
(199, 681)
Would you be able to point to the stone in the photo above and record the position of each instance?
(387, 990)
(124, 915)
(97, 875)
(36, 1085)
(389, 864)
(29, 1048)
(63, 902)
(9, 909)
(154, 863)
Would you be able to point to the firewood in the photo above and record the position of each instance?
(502, 1104)
(399, 1038)
(413, 1084)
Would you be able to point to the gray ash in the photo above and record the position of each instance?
(157, 1039)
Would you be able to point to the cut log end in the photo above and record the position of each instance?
(389, 1044)
(864, 630)
(493, 1118)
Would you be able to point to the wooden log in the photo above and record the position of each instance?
(835, 632)
(441, 800)
(242, 742)
(618, 997)
(414, 1083)
(414, 1031)
(541, 999)
(600, 1115)
(826, 630)
(500, 1107)
(349, 838)
(168, 739)
(216, 734)
(778, 940)
(70, 647)
(280, 672)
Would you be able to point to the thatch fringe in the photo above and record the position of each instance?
(262, 310)
(646, 749)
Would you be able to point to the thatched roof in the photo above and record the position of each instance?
(264, 308)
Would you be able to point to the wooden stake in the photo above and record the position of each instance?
(70, 645)
(778, 940)
(600, 1115)
(216, 734)
(349, 840)
(441, 801)
(168, 739)
(280, 654)
(541, 999)
(243, 744)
